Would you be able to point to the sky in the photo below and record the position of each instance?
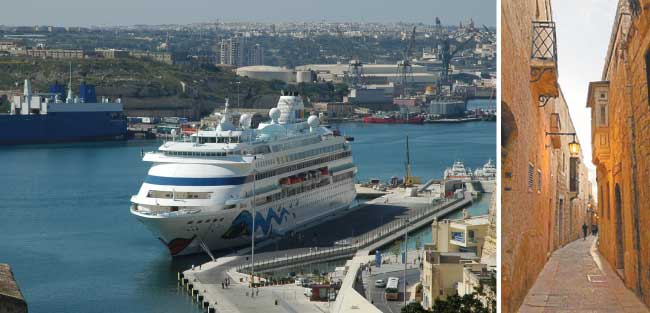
(130, 12)
(583, 30)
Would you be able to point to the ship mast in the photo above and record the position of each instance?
(408, 179)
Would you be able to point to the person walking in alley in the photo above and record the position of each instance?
(584, 231)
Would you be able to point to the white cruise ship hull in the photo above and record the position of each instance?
(226, 229)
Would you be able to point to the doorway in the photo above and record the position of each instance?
(620, 231)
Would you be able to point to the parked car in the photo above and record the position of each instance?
(380, 283)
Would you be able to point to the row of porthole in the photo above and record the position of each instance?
(206, 221)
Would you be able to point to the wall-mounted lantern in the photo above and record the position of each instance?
(574, 146)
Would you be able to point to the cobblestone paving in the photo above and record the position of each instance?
(576, 279)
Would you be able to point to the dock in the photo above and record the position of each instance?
(203, 282)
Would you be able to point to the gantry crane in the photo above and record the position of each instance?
(404, 67)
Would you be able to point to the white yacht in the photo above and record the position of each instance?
(199, 191)
(487, 172)
(458, 171)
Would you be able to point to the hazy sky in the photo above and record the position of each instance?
(129, 12)
(583, 30)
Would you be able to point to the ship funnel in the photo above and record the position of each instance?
(27, 90)
(291, 108)
(313, 122)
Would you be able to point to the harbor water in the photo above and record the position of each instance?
(74, 246)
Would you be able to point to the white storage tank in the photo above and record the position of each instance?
(304, 76)
(264, 72)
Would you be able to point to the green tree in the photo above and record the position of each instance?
(414, 307)
(470, 303)
(396, 248)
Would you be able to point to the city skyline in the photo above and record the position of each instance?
(124, 13)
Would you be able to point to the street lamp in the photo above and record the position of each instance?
(406, 253)
(253, 226)
(574, 146)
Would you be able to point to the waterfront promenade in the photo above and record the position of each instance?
(577, 279)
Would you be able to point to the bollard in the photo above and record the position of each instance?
(199, 298)
(211, 310)
(185, 281)
(195, 292)
(206, 304)
(190, 287)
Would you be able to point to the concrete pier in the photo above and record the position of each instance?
(386, 224)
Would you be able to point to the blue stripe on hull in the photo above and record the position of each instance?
(184, 181)
(60, 127)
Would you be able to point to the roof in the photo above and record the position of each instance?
(8, 285)
(263, 68)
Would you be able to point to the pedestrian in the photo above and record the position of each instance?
(222, 286)
(584, 231)
(257, 291)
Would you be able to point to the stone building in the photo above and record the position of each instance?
(620, 113)
(545, 187)
(440, 275)
(462, 235)
(11, 299)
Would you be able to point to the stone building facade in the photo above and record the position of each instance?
(11, 299)
(620, 111)
(544, 190)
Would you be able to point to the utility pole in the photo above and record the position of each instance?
(253, 230)
(406, 254)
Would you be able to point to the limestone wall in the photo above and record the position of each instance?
(536, 218)
(624, 199)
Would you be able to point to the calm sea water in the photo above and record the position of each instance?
(74, 247)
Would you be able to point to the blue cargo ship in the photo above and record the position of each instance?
(45, 118)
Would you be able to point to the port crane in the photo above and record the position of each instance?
(408, 179)
(404, 67)
(355, 72)
(447, 54)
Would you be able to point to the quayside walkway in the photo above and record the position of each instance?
(577, 279)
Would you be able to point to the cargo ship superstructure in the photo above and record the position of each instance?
(48, 118)
(201, 191)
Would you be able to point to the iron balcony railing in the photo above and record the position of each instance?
(544, 41)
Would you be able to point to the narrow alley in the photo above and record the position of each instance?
(575, 279)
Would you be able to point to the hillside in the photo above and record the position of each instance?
(151, 86)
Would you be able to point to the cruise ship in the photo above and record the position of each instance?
(49, 118)
(201, 190)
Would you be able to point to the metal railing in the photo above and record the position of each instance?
(356, 243)
(544, 43)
